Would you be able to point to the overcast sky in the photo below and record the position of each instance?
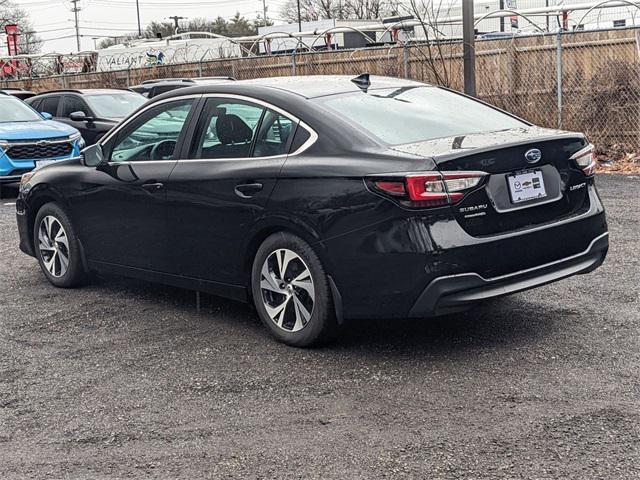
(53, 18)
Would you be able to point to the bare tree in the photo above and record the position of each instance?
(313, 10)
(431, 50)
(367, 9)
(310, 10)
(29, 41)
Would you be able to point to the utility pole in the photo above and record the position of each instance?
(546, 4)
(502, 18)
(176, 19)
(75, 11)
(138, 12)
(299, 18)
(264, 10)
(469, 48)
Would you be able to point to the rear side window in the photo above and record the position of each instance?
(36, 104)
(73, 104)
(274, 135)
(413, 114)
(231, 128)
(226, 129)
(50, 105)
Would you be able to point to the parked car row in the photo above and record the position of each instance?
(55, 125)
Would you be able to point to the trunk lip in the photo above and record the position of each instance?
(523, 137)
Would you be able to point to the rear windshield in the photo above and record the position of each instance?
(115, 105)
(14, 110)
(413, 114)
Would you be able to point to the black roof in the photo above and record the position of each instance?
(193, 80)
(303, 87)
(311, 86)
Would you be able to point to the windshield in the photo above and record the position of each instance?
(14, 110)
(414, 114)
(115, 105)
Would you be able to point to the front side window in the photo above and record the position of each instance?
(413, 114)
(154, 135)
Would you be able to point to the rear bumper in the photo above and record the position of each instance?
(454, 292)
(424, 265)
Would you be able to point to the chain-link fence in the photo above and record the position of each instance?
(584, 81)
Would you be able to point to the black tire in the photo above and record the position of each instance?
(75, 274)
(321, 325)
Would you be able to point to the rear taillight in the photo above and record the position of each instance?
(586, 160)
(431, 189)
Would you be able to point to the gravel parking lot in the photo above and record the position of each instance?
(124, 379)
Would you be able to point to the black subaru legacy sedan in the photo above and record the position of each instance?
(321, 199)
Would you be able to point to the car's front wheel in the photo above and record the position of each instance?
(57, 248)
(291, 291)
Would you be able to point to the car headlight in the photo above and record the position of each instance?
(24, 179)
(78, 137)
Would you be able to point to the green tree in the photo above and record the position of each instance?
(239, 26)
(220, 26)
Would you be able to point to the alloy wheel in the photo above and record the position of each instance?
(54, 246)
(287, 289)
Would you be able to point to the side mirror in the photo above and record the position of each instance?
(80, 117)
(46, 115)
(92, 156)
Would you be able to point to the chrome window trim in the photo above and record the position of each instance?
(313, 136)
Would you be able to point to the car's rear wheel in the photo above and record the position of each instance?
(57, 248)
(291, 291)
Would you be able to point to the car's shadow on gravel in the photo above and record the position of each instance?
(503, 323)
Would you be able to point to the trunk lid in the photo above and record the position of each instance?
(491, 209)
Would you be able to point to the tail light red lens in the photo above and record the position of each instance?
(586, 160)
(432, 189)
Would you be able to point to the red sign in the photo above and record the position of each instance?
(12, 32)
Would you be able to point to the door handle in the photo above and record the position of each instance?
(247, 190)
(152, 187)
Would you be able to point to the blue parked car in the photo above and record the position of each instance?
(29, 140)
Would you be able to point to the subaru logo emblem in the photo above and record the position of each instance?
(533, 156)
